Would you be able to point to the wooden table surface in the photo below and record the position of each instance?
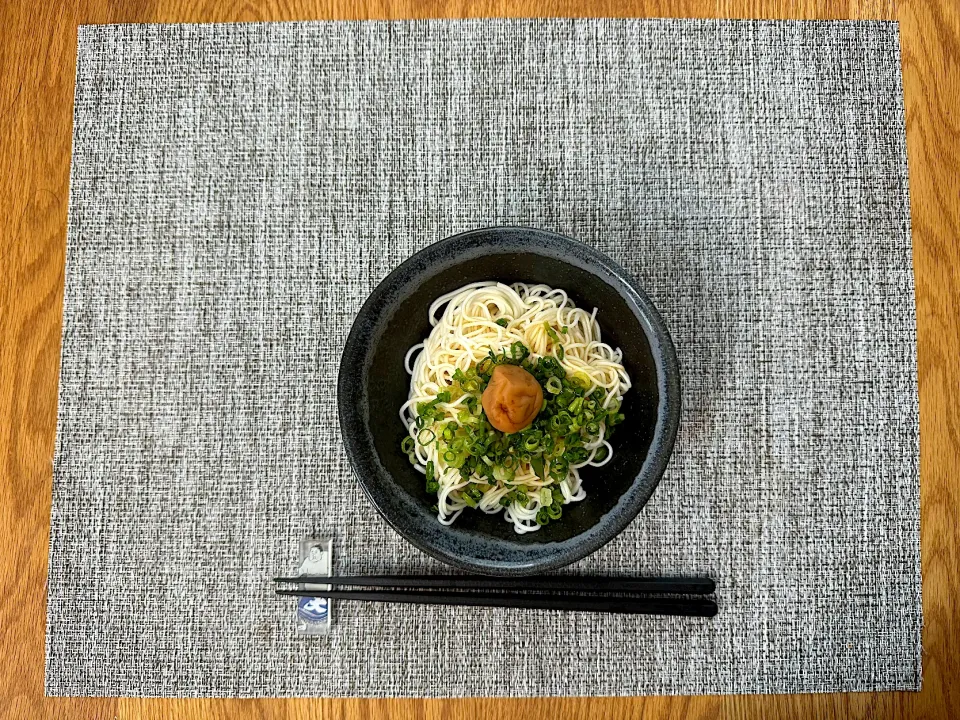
(37, 60)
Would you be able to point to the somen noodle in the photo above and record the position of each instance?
(529, 474)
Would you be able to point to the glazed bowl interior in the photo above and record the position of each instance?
(374, 384)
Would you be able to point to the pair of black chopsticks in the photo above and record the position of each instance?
(634, 596)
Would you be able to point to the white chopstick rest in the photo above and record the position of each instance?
(314, 614)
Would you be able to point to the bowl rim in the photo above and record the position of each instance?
(669, 402)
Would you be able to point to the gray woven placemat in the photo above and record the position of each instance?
(236, 192)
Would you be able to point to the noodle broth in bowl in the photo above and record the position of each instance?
(509, 400)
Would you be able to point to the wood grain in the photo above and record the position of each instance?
(37, 56)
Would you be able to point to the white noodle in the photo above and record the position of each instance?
(463, 335)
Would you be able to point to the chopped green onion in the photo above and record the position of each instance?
(551, 332)
(571, 416)
(502, 322)
(536, 463)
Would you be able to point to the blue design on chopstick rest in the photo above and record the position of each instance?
(312, 609)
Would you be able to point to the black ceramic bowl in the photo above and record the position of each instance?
(373, 384)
